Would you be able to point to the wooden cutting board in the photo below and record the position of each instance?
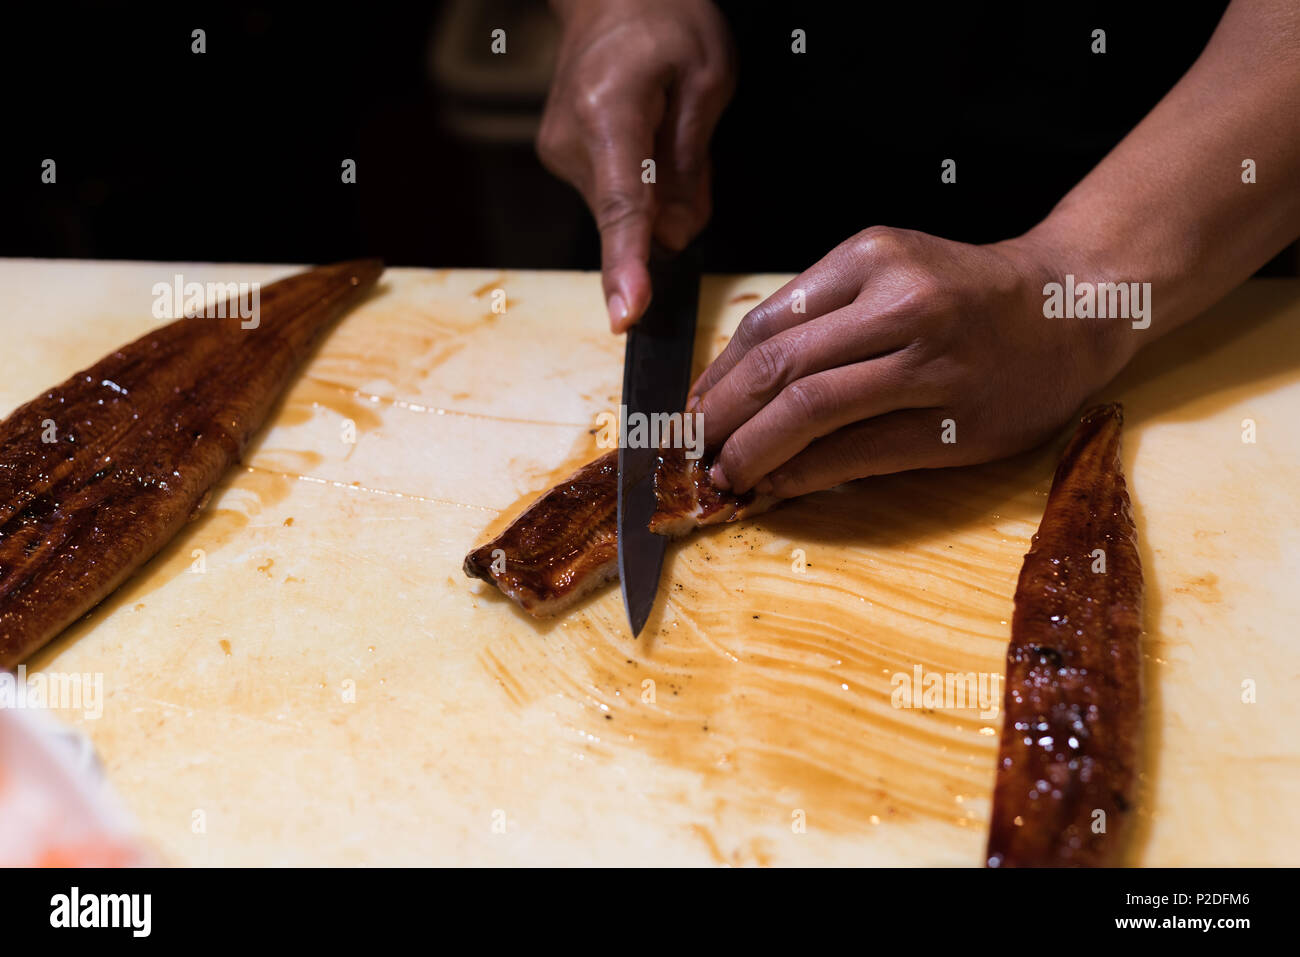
(330, 689)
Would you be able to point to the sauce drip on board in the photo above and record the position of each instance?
(774, 686)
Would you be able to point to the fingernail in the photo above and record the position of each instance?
(693, 404)
(764, 486)
(617, 311)
(718, 477)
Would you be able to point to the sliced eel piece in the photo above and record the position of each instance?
(688, 499)
(97, 474)
(565, 545)
(1066, 771)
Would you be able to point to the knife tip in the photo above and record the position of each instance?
(638, 612)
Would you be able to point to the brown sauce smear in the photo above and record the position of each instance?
(310, 393)
(775, 685)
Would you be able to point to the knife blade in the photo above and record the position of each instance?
(656, 378)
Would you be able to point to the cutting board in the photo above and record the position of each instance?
(305, 676)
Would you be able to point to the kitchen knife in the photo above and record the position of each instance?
(656, 378)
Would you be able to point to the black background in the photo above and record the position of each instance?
(234, 155)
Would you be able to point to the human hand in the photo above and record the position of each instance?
(900, 333)
(637, 81)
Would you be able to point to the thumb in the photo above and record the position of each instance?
(623, 204)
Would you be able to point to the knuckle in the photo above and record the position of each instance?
(808, 400)
(929, 294)
(601, 96)
(616, 208)
(923, 361)
(879, 243)
(876, 242)
(694, 213)
(548, 144)
(647, 49)
(751, 331)
(712, 80)
(592, 106)
(767, 368)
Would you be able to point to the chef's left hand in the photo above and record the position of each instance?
(910, 351)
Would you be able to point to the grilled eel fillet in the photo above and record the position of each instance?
(566, 544)
(1073, 691)
(139, 439)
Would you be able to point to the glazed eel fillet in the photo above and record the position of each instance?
(565, 545)
(97, 474)
(1068, 757)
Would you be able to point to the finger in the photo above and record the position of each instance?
(808, 409)
(624, 210)
(684, 209)
(825, 286)
(839, 338)
(683, 146)
(901, 440)
(558, 148)
(625, 249)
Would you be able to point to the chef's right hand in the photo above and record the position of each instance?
(637, 80)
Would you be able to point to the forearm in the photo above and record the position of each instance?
(1168, 205)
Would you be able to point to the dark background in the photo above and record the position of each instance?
(235, 155)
